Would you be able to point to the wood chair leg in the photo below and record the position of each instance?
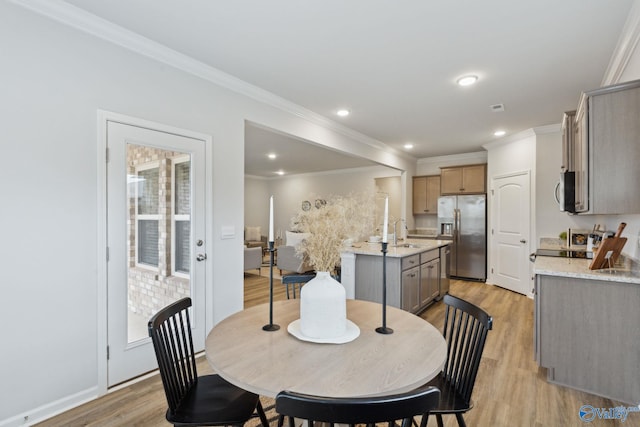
(439, 420)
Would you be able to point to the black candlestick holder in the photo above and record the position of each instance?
(384, 329)
(271, 327)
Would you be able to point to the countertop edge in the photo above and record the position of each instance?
(627, 271)
(422, 245)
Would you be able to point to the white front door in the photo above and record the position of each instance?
(155, 238)
(510, 232)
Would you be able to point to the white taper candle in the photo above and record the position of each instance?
(385, 222)
(271, 219)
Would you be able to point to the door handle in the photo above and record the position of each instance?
(523, 241)
(201, 257)
(556, 193)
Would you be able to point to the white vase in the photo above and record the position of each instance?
(323, 307)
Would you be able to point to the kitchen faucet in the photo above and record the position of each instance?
(395, 233)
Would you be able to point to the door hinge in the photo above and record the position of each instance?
(107, 352)
(107, 154)
(492, 191)
(491, 270)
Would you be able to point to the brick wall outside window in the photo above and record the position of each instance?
(151, 288)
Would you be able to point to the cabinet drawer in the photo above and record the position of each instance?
(429, 255)
(410, 261)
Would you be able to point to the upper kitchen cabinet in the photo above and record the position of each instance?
(469, 179)
(426, 190)
(607, 150)
(568, 140)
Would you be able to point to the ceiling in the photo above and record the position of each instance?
(394, 65)
(294, 156)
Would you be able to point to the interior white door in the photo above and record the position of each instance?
(511, 230)
(155, 238)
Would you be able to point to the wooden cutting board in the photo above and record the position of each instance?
(612, 244)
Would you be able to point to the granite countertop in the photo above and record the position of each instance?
(625, 270)
(416, 246)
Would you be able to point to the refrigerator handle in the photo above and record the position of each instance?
(456, 224)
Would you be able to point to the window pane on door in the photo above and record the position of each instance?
(159, 243)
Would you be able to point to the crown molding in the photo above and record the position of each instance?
(627, 43)
(541, 130)
(82, 20)
(511, 138)
(528, 133)
(347, 171)
(464, 157)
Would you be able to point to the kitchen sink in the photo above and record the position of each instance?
(407, 245)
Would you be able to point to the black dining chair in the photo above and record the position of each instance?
(207, 400)
(357, 410)
(465, 330)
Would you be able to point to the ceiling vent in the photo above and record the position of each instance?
(497, 108)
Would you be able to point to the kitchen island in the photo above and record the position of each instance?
(416, 272)
(586, 326)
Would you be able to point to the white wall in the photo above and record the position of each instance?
(389, 186)
(54, 80)
(256, 203)
(290, 191)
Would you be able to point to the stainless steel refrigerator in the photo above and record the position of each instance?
(463, 219)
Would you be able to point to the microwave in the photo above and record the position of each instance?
(566, 192)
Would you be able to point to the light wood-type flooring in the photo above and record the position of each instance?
(511, 390)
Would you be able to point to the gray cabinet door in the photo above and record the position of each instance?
(411, 289)
(614, 152)
(429, 281)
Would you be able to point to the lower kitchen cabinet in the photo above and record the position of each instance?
(411, 289)
(586, 335)
(429, 281)
(413, 282)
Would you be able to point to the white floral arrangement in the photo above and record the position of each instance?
(330, 224)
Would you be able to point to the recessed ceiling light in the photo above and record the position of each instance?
(499, 133)
(272, 156)
(467, 80)
(408, 146)
(343, 113)
(280, 172)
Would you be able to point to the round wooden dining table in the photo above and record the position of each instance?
(265, 363)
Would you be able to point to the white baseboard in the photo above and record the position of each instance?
(49, 410)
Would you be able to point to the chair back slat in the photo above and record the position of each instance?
(359, 410)
(170, 332)
(465, 331)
